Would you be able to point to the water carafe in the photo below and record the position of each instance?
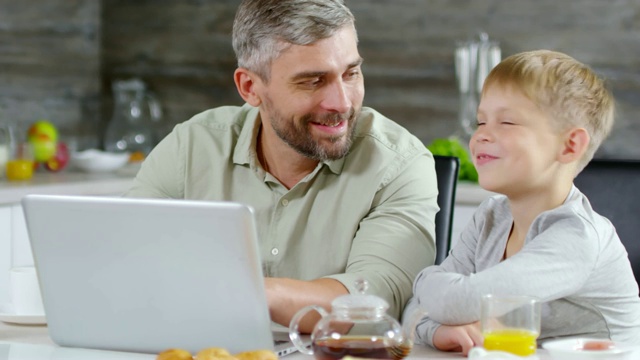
(136, 115)
(6, 144)
(473, 61)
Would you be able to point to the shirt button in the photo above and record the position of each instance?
(285, 202)
(274, 251)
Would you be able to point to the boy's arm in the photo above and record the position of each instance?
(459, 338)
(460, 260)
(552, 265)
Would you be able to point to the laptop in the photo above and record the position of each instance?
(146, 275)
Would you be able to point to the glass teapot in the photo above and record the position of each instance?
(357, 326)
(136, 116)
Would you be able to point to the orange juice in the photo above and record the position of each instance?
(19, 169)
(515, 341)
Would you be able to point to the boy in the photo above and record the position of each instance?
(541, 117)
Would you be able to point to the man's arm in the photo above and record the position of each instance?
(286, 296)
(394, 241)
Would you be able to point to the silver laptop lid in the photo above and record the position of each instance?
(145, 275)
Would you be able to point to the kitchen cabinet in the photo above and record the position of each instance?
(14, 240)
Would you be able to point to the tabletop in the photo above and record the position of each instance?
(32, 342)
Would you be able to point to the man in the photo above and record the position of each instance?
(339, 191)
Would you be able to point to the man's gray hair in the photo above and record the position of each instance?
(262, 29)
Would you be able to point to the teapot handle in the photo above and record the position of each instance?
(294, 327)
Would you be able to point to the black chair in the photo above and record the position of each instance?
(447, 168)
(612, 187)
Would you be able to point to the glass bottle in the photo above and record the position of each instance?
(132, 127)
(5, 146)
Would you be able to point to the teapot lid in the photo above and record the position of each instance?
(360, 301)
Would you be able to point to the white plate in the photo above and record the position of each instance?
(7, 315)
(569, 349)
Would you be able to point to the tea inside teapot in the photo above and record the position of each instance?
(361, 347)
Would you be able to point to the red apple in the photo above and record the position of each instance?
(60, 158)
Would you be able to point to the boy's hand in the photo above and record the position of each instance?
(458, 338)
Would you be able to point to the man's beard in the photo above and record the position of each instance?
(296, 134)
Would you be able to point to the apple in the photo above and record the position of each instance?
(43, 137)
(59, 160)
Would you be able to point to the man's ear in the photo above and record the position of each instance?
(246, 82)
(575, 145)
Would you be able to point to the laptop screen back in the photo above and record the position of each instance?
(145, 275)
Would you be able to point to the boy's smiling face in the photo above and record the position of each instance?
(515, 146)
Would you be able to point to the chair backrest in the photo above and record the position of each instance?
(447, 168)
(612, 188)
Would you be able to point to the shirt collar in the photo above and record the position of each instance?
(245, 150)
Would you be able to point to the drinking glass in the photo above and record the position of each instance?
(510, 323)
(21, 164)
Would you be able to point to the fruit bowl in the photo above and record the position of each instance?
(94, 160)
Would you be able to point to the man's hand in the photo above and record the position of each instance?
(286, 296)
(458, 338)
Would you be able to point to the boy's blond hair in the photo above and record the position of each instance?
(564, 88)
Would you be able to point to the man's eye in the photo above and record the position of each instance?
(353, 74)
(312, 82)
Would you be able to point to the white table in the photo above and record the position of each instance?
(29, 342)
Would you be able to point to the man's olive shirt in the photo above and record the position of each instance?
(368, 215)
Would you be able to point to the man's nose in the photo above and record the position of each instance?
(336, 97)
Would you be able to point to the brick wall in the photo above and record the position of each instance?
(59, 58)
(50, 57)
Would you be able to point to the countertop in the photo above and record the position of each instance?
(70, 182)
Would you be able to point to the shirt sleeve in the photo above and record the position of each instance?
(423, 326)
(162, 172)
(396, 238)
(460, 260)
(554, 262)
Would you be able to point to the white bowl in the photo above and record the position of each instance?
(94, 160)
(574, 349)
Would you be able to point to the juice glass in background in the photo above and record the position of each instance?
(20, 165)
(510, 323)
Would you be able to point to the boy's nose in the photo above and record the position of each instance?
(482, 134)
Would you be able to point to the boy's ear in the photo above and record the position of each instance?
(575, 145)
(246, 83)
